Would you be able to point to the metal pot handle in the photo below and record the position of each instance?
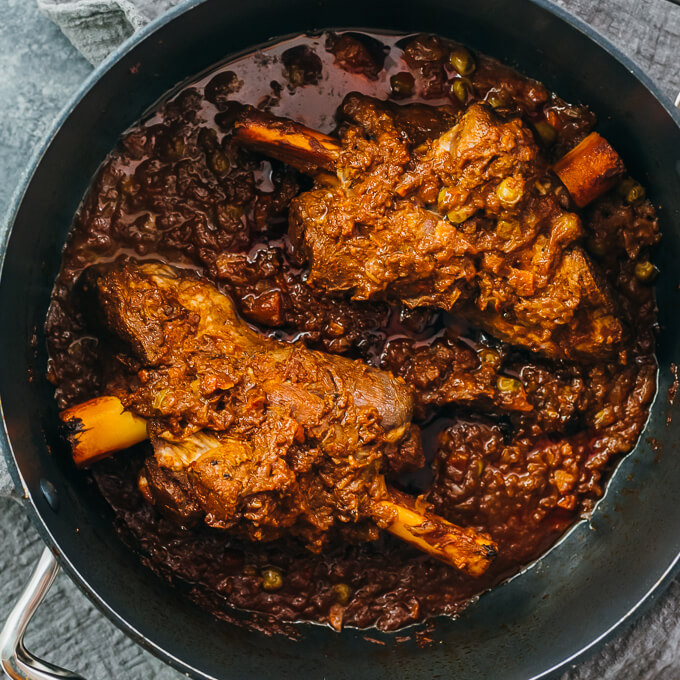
(16, 660)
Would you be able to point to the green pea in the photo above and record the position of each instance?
(219, 162)
(458, 216)
(444, 199)
(342, 593)
(546, 132)
(489, 356)
(645, 271)
(636, 193)
(461, 59)
(402, 84)
(631, 191)
(510, 191)
(272, 579)
(506, 384)
(495, 100)
(462, 90)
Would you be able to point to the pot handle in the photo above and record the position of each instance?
(16, 660)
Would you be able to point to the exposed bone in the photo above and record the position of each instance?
(590, 169)
(587, 171)
(288, 141)
(101, 426)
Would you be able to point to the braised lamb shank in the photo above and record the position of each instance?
(254, 436)
(460, 215)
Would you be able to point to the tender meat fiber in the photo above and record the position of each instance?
(284, 439)
(174, 187)
(170, 491)
(469, 221)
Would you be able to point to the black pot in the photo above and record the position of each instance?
(597, 577)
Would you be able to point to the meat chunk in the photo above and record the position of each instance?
(266, 437)
(449, 371)
(414, 122)
(473, 222)
(170, 492)
(469, 218)
(573, 316)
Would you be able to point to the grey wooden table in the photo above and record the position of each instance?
(39, 70)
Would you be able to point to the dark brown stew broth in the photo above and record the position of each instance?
(177, 188)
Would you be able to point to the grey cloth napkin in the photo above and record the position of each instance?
(97, 27)
(649, 32)
(646, 30)
(6, 485)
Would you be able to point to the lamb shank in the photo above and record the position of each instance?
(455, 212)
(254, 436)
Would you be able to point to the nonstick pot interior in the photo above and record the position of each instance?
(598, 575)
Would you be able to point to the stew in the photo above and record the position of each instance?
(429, 253)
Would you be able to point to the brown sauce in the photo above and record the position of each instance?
(178, 189)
